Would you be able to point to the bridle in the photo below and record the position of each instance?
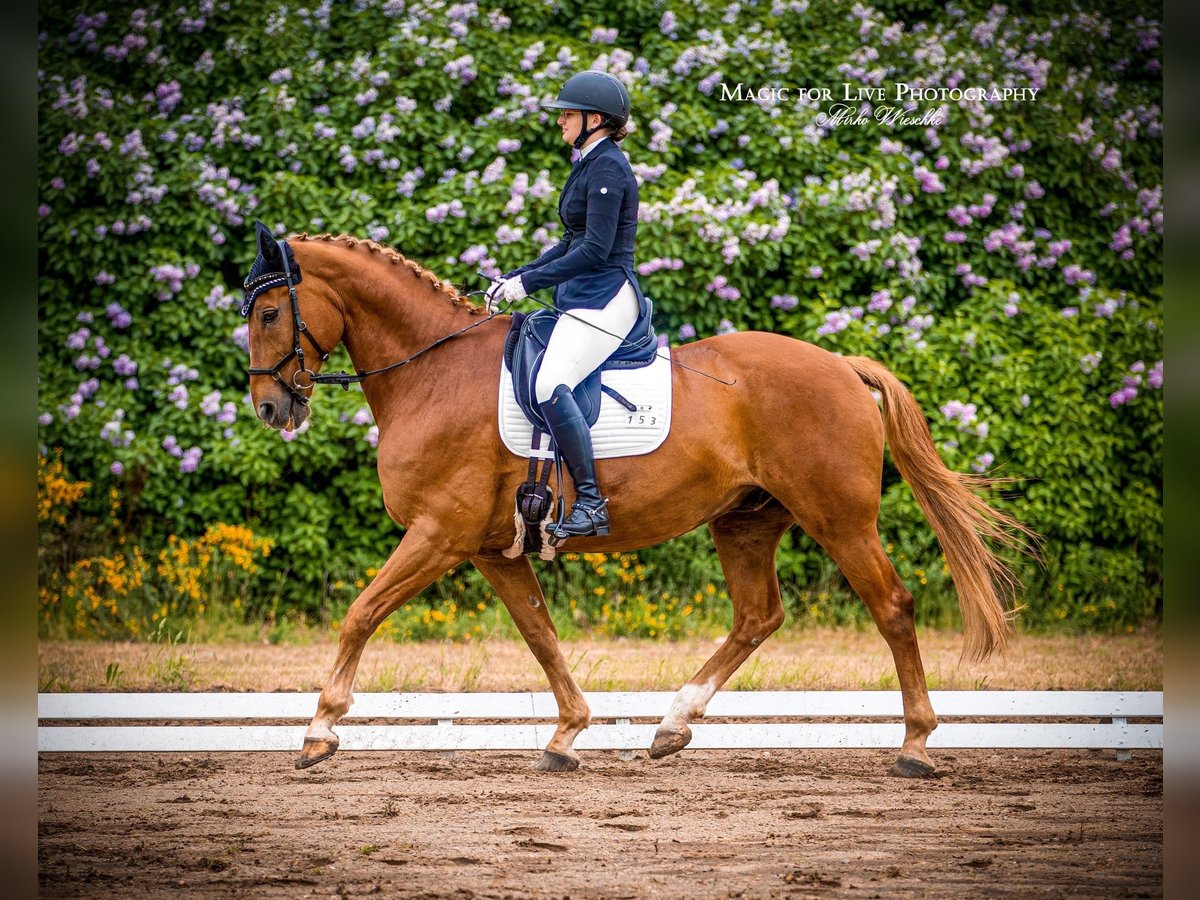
(276, 279)
(257, 285)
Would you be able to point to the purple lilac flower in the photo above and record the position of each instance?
(959, 216)
(168, 95)
(118, 316)
(1090, 362)
(131, 384)
(473, 255)
(687, 331)
(784, 301)
(815, 271)
(928, 180)
(180, 373)
(723, 289)
(210, 403)
(372, 436)
(834, 322)
(45, 419)
(1123, 396)
(191, 459)
(983, 462)
(124, 366)
(957, 411)
(116, 468)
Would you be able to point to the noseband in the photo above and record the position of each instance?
(264, 282)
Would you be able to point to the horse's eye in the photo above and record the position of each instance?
(269, 315)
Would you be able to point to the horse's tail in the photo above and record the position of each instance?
(961, 519)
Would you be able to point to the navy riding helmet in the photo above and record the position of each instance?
(591, 92)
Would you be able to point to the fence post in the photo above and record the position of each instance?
(447, 755)
(1122, 755)
(625, 755)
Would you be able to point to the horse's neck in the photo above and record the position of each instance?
(389, 317)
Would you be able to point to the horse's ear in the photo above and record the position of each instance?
(267, 248)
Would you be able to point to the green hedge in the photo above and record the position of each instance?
(1007, 264)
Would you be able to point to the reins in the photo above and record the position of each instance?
(345, 379)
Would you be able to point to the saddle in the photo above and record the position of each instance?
(524, 350)
(525, 347)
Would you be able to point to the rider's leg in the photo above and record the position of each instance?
(581, 341)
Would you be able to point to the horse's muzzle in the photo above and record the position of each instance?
(284, 414)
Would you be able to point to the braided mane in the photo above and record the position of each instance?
(443, 287)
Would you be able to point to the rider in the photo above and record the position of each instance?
(591, 270)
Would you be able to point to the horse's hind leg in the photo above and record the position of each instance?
(871, 574)
(746, 543)
(516, 583)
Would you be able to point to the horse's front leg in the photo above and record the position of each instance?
(514, 580)
(421, 558)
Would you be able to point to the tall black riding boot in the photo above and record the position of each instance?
(570, 432)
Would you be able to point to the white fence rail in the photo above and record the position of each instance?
(1099, 720)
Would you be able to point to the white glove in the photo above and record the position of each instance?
(492, 297)
(510, 290)
(513, 289)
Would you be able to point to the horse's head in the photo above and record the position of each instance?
(286, 348)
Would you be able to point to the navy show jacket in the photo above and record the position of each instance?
(598, 207)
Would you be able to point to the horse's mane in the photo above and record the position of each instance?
(443, 287)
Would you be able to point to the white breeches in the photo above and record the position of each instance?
(577, 348)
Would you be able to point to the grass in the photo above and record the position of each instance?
(811, 659)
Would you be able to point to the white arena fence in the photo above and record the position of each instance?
(526, 721)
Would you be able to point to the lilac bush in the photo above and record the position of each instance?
(1002, 255)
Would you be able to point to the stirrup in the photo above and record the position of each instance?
(596, 522)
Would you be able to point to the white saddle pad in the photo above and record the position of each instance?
(617, 432)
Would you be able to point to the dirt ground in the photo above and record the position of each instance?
(702, 824)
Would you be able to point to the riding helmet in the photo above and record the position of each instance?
(594, 91)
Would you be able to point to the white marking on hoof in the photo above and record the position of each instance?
(690, 703)
(320, 732)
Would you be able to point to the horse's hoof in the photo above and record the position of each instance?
(670, 740)
(316, 750)
(556, 762)
(911, 767)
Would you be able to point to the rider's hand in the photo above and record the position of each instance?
(509, 290)
(492, 298)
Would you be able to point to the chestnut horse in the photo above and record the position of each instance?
(796, 439)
